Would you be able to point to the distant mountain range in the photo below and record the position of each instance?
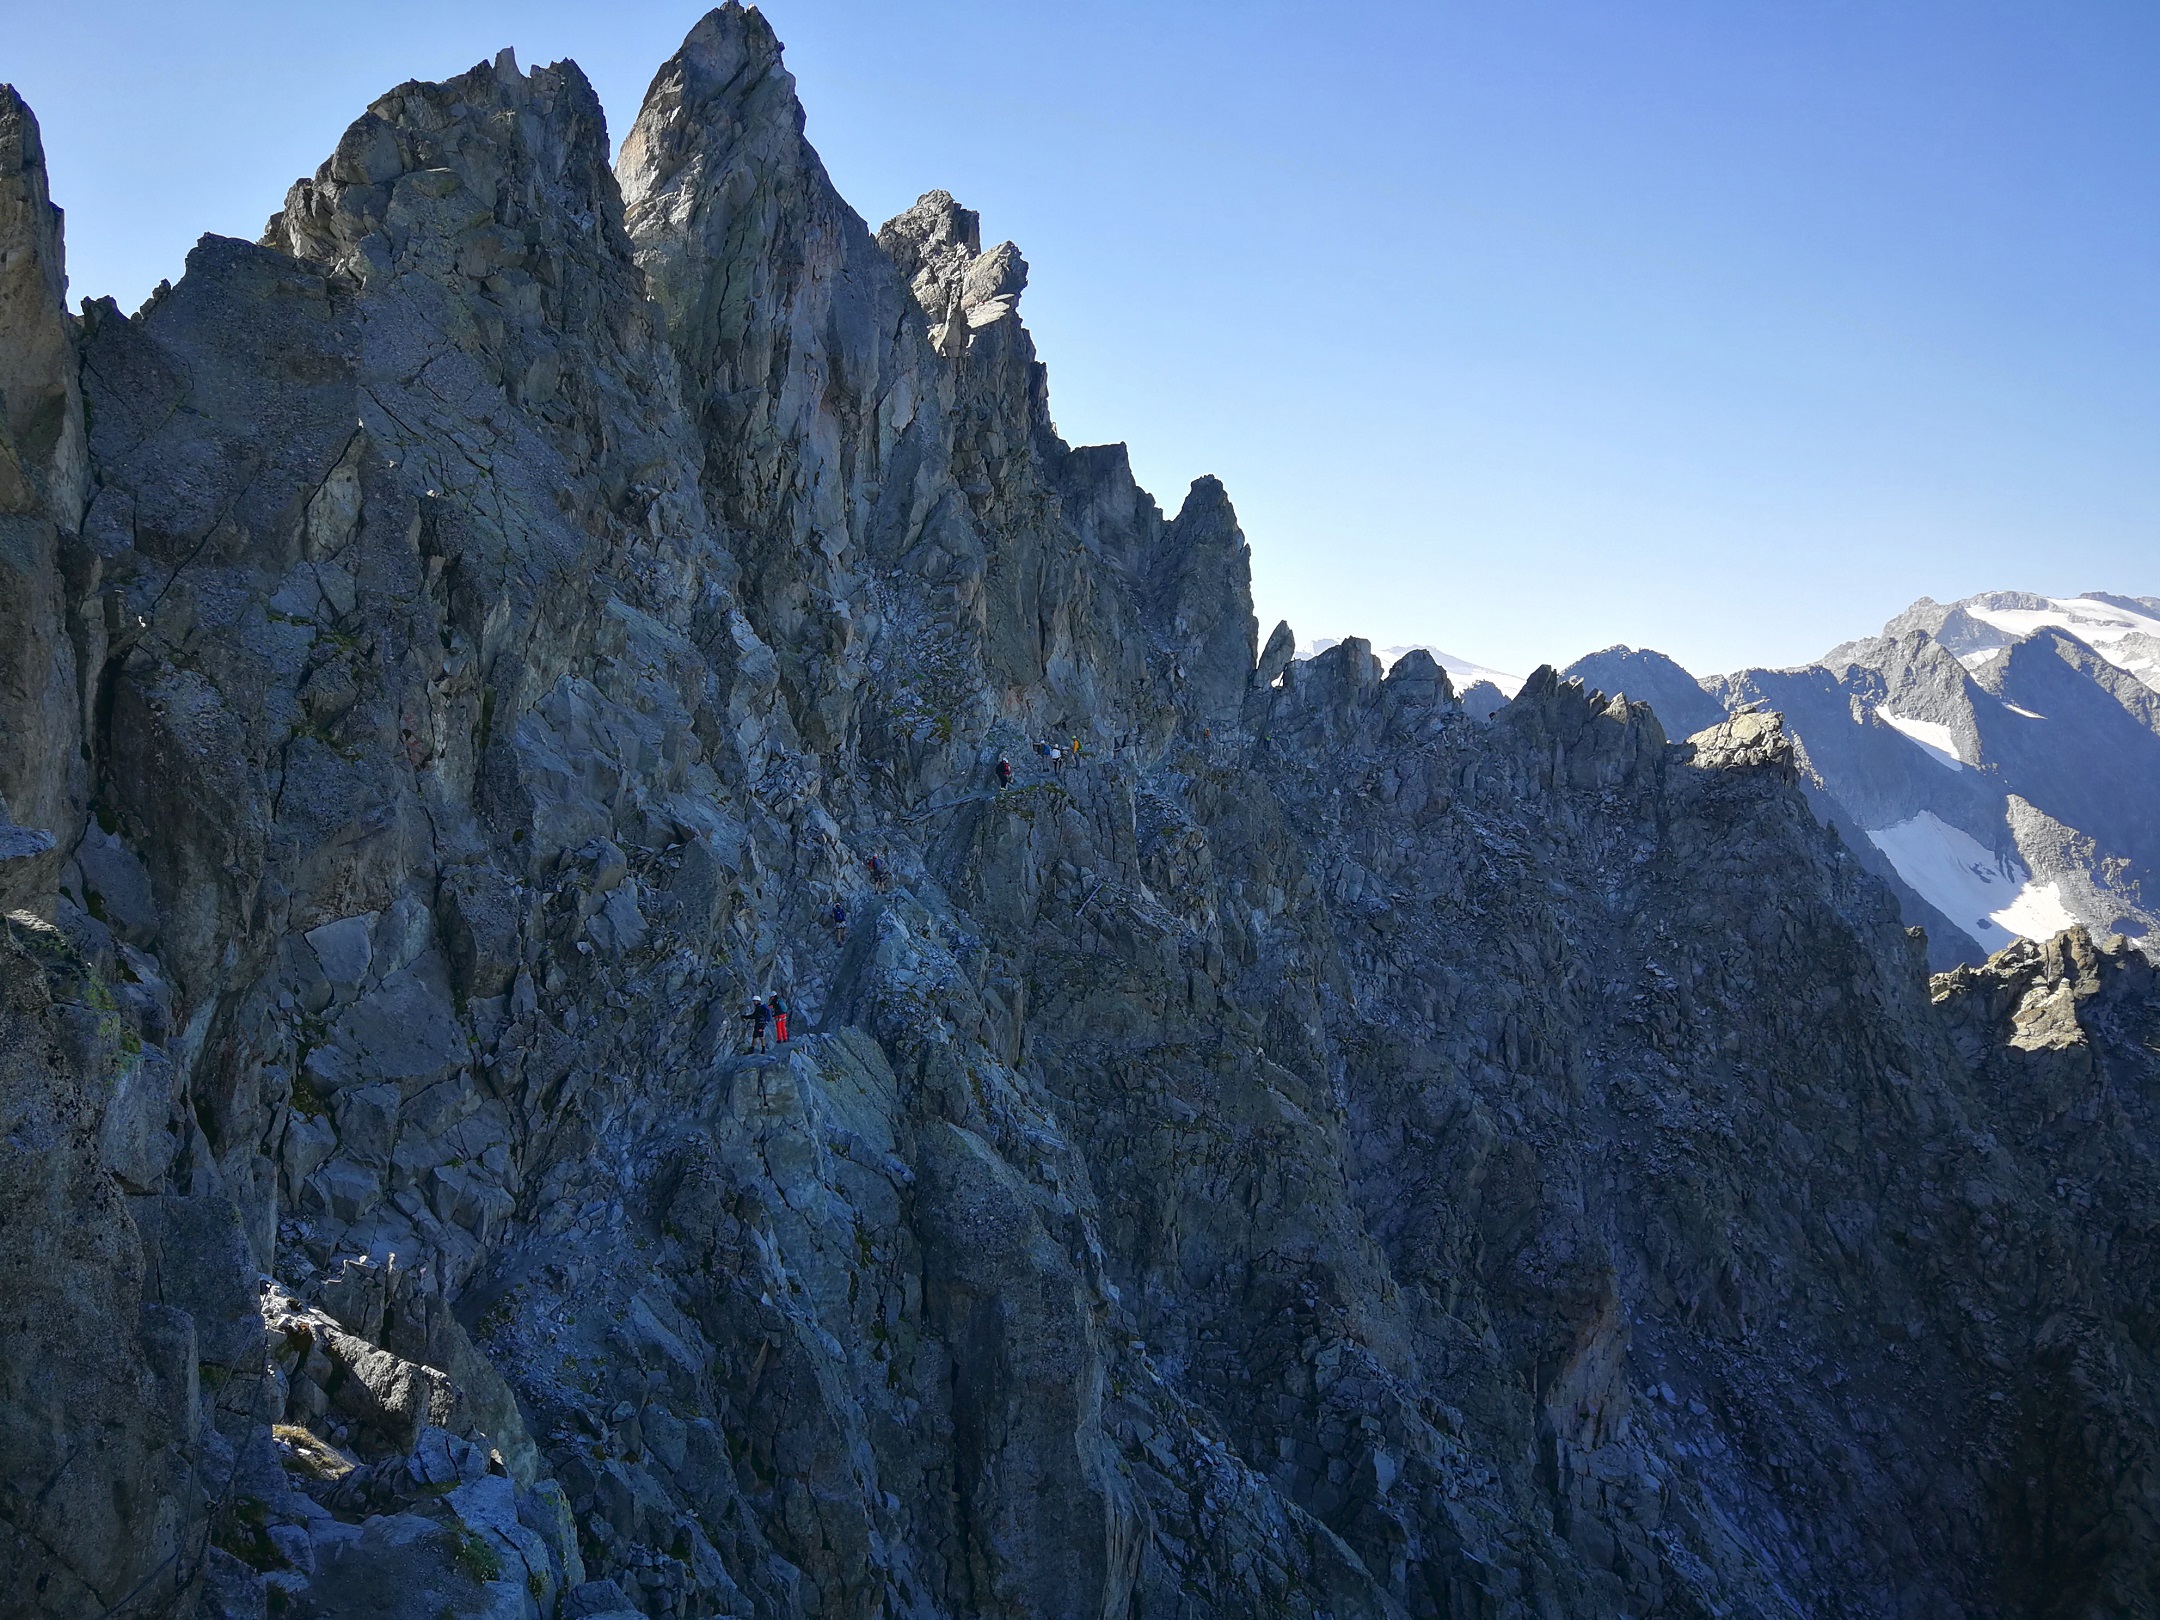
(1996, 759)
(1481, 688)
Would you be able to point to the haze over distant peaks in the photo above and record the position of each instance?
(2125, 630)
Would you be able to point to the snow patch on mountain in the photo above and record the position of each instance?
(2125, 630)
(2038, 912)
(1933, 736)
(2041, 718)
(2098, 621)
(1991, 897)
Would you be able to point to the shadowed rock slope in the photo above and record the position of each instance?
(1313, 1152)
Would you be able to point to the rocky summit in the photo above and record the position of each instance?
(1252, 1138)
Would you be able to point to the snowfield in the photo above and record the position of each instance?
(2122, 632)
(2024, 725)
(1995, 901)
(1936, 738)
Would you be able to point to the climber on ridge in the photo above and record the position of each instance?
(756, 1018)
(779, 1020)
(839, 923)
(1004, 774)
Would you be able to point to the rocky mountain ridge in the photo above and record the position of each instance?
(1995, 760)
(1308, 1150)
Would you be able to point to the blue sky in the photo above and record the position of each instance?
(1520, 327)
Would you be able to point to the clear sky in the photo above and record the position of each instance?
(1519, 327)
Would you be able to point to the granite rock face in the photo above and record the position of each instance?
(42, 777)
(1303, 1149)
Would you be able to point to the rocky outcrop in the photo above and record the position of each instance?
(2065, 1030)
(102, 1393)
(1304, 1149)
(41, 495)
(1650, 677)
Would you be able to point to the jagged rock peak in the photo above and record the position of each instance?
(727, 202)
(724, 94)
(732, 48)
(1418, 672)
(1684, 707)
(1202, 589)
(41, 452)
(486, 208)
(43, 475)
(434, 177)
(1297, 1152)
(1277, 655)
(936, 226)
(937, 247)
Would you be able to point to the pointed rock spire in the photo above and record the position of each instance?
(1275, 657)
(43, 474)
(722, 195)
(937, 247)
(41, 440)
(1200, 594)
